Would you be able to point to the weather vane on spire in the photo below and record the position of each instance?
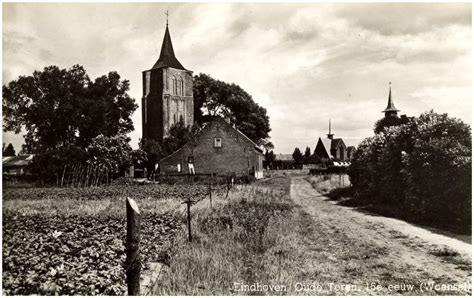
(167, 15)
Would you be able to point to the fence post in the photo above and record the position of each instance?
(188, 203)
(210, 193)
(228, 187)
(132, 262)
(62, 178)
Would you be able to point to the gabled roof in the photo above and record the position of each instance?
(17, 161)
(327, 145)
(167, 57)
(390, 106)
(222, 121)
(335, 143)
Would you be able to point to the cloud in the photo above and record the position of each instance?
(304, 62)
(406, 18)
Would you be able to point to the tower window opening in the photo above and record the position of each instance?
(175, 87)
(181, 86)
(145, 110)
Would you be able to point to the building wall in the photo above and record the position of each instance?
(236, 156)
(162, 104)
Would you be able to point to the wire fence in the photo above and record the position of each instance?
(214, 186)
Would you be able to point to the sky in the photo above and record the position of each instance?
(305, 63)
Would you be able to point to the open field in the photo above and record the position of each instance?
(70, 241)
(279, 235)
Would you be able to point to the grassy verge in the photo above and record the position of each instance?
(251, 237)
(259, 242)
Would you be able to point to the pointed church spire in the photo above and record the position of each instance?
(167, 57)
(390, 109)
(330, 135)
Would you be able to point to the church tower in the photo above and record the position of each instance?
(390, 110)
(167, 94)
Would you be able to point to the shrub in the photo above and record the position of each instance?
(423, 167)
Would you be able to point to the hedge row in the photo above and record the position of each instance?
(422, 168)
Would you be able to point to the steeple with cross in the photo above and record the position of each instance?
(167, 93)
(390, 110)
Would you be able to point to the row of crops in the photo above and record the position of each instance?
(74, 253)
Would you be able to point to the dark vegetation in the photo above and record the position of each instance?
(213, 97)
(69, 241)
(8, 150)
(69, 118)
(75, 254)
(421, 169)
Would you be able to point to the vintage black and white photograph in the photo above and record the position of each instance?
(236, 149)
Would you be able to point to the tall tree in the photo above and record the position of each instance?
(307, 155)
(297, 156)
(63, 110)
(9, 150)
(269, 158)
(213, 97)
(63, 107)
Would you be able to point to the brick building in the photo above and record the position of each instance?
(218, 148)
(167, 94)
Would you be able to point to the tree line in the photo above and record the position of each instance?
(70, 118)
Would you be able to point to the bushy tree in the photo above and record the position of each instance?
(423, 167)
(297, 156)
(9, 150)
(213, 97)
(179, 135)
(112, 153)
(62, 109)
(307, 156)
(269, 158)
(385, 122)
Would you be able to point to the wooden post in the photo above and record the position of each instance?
(132, 262)
(189, 202)
(210, 193)
(62, 178)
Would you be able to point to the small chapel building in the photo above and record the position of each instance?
(333, 151)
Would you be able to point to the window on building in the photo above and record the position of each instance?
(181, 86)
(217, 142)
(175, 87)
(174, 118)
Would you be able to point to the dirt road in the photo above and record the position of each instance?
(408, 253)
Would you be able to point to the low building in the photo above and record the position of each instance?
(283, 162)
(16, 165)
(218, 148)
